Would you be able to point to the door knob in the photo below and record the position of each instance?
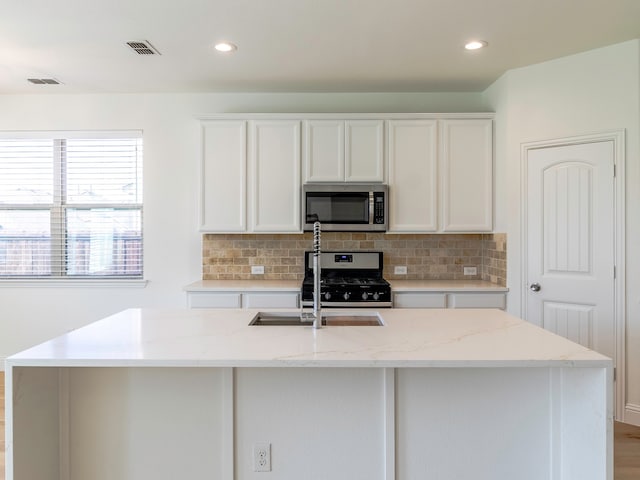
(534, 287)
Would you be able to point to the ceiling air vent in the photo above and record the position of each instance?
(43, 81)
(142, 47)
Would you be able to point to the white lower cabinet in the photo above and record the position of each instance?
(270, 300)
(243, 299)
(420, 300)
(214, 300)
(477, 300)
(450, 300)
(415, 299)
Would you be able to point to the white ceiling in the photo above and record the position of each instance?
(295, 45)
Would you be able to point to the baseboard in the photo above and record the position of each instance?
(632, 414)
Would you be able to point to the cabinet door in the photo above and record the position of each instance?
(413, 186)
(420, 300)
(270, 300)
(223, 176)
(214, 300)
(275, 176)
(324, 151)
(466, 149)
(364, 151)
(477, 300)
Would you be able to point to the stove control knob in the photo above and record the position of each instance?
(365, 295)
(346, 295)
(376, 296)
(327, 296)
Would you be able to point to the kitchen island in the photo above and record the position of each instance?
(431, 394)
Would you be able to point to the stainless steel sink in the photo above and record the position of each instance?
(328, 319)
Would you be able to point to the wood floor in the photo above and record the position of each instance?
(626, 446)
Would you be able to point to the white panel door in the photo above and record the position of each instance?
(324, 151)
(364, 151)
(570, 242)
(223, 176)
(466, 147)
(413, 176)
(275, 175)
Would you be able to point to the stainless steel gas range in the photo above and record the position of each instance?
(348, 279)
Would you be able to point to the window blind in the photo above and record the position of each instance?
(71, 205)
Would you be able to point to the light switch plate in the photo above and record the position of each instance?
(400, 270)
(470, 270)
(257, 270)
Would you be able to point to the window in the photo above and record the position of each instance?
(71, 205)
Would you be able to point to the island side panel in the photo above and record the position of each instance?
(134, 423)
(584, 440)
(322, 423)
(32, 426)
(480, 423)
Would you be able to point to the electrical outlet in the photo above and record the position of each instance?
(470, 270)
(400, 270)
(262, 457)
(257, 270)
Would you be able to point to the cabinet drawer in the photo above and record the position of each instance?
(420, 300)
(214, 300)
(270, 300)
(477, 300)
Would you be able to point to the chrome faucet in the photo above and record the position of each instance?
(317, 268)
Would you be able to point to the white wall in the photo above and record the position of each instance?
(30, 315)
(593, 91)
(590, 92)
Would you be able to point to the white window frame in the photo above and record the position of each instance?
(58, 208)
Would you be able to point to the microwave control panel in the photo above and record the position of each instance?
(378, 207)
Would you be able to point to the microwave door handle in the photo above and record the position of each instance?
(371, 209)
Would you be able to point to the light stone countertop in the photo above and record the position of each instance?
(223, 338)
(294, 286)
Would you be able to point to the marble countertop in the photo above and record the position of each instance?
(223, 338)
(294, 286)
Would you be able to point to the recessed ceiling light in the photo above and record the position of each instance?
(225, 47)
(475, 45)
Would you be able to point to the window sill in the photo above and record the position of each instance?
(80, 282)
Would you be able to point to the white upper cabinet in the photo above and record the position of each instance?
(274, 172)
(250, 176)
(223, 176)
(466, 164)
(440, 182)
(344, 151)
(439, 168)
(413, 175)
(324, 150)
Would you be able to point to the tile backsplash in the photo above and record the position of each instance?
(427, 257)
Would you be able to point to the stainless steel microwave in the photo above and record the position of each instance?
(342, 207)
